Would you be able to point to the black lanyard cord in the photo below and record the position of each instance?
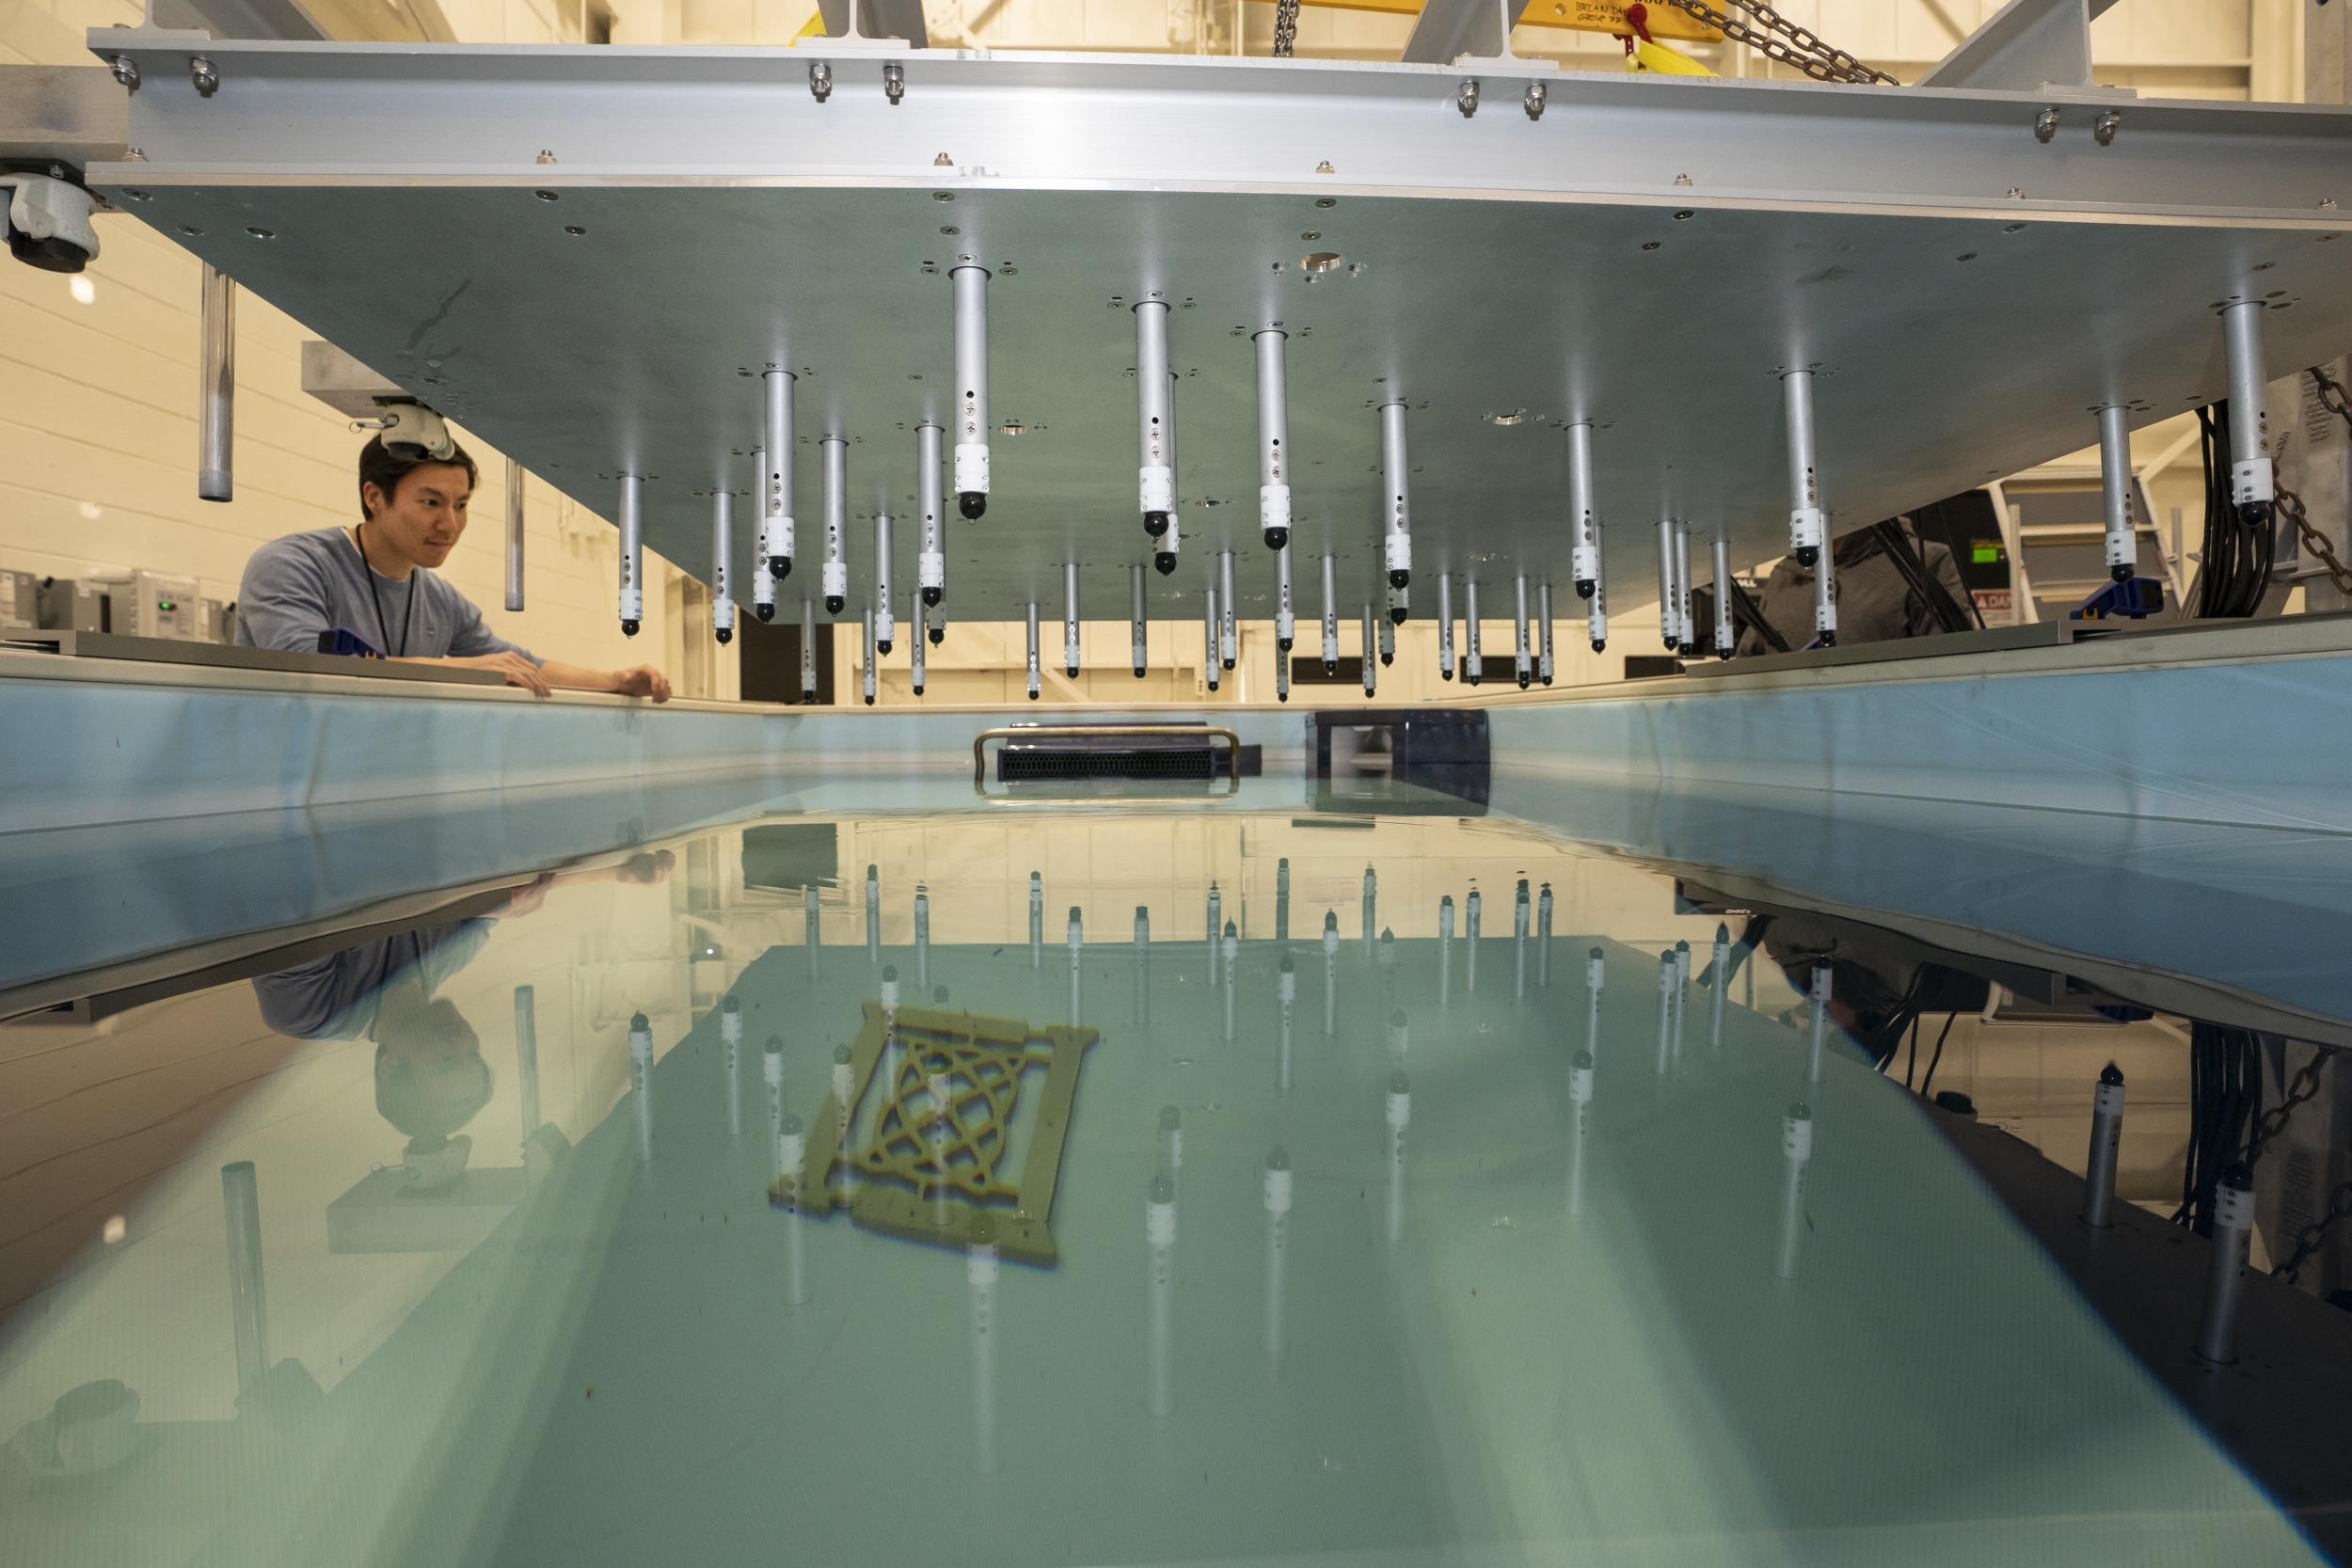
(382, 627)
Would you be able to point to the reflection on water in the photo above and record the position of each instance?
(470, 1254)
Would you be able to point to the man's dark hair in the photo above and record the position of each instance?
(381, 467)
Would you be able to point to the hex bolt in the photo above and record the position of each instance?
(1532, 102)
(2045, 125)
(1465, 97)
(894, 83)
(201, 73)
(2233, 1233)
(820, 81)
(2103, 128)
(127, 72)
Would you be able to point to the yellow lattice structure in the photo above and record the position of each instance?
(933, 1161)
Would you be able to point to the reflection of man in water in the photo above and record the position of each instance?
(430, 1077)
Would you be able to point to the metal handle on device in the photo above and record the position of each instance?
(1065, 732)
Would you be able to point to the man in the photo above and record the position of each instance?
(376, 581)
(1876, 599)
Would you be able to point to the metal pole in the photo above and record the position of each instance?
(722, 552)
(1155, 421)
(1208, 635)
(1138, 641)
(1445, 625)
(808, 650)
(971, 290)
(1330, 615)
(527, 1054)
(2251, 479)
(1669, 619)
(1285, 620)
(1796, 1150)
(866, 675)
(836, 452)
(216, 387)
(918, 612)
(1397, 525)
(1034, 675)
(1725, 636)
(885, 632)
(1069, 618)
(1473, 662)
(515, 476)
(2115, 486)
(1273, 491)
(930, 562)
(1227, 648)
(2106, 1135)
(1686, 633)
(632, 554)
(775, 468)
(2225, 1283)
(1371, 660)
(1806, 523)
(1583, 520)
(1596, 609)
(1817, 1042)
(1523, 655)
(248, 1302)
(1543, 620)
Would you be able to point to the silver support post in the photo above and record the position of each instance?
(1371, 660)
(1543, 620)
(632, 553)
(1825, 598)
(837, 566)
(1035, 679)
(1398, 524)
(1583, 520)
(885, 632)
(2106, 1136)
(1796, 1151)
(1274, 490)
(2251, 480)
(808, 650)
(1725, 637)
(918, 612)
(776, 471)
(1596, 608)
(2115, 486)
(721, 553)
(1138, 628)
(1686, 632)
(216, 387)
(1285, 618)
(1523, 655)
(971, 289)
(763, 580)
(1330, 614)
(1155, 418)
(1228, 647)
(930, 562)
(1209, 666)
(1474, 661)
(1445, 625)
(1806, 523)
(867, 675)
(515, 478)
(1069, 618)
(248, 1302)
(1669, 621)
(2225, 1281)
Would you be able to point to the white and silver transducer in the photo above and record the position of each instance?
(930, 564)
(1388, 632)
(808, 650)
(1583, 521)
(1474, 661)
(1138, 642)
(2252, 483)
(722, 552)
(1034, 677)
(1396, 525)
(763, 580)
(1597, 607)
(1274, 489)
(1808, 525)
(1543, 620)
(1285, 617)
(1669, 591)
(1687, 632)
(1523, 655)
(866, 675)
(885, 631)
(836, 568)
(1228, 643)
(1369, 662)
(1445, 625)
(632, 553)
(1330, 615)
(1209, 665)
(916, 611)
(775, 474)
(1155, 419)
(971, 289)
(1069, 618)
(2115, 486)
(1725, 638)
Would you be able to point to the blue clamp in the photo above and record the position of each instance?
(2133, 597)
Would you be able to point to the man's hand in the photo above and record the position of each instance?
(641, 681)
(518, 669)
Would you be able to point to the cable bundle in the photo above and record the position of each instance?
(2240, 543)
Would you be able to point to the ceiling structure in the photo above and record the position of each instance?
(1643, 253)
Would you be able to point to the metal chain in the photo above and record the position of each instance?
(2274, 1121)
(1285, 28)
(2292, 505)
(2332, 393)
(2308, 1240)
(1804, 48)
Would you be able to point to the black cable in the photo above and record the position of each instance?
(1929, 1082)
(1746, 612)
(2224, 1103)
(2234, 575)
(1912, 568)
(1912, 1063)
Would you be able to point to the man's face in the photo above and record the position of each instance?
(425, 516)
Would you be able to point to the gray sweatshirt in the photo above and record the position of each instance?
(306, 583)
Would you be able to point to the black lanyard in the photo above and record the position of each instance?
(382, 627)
